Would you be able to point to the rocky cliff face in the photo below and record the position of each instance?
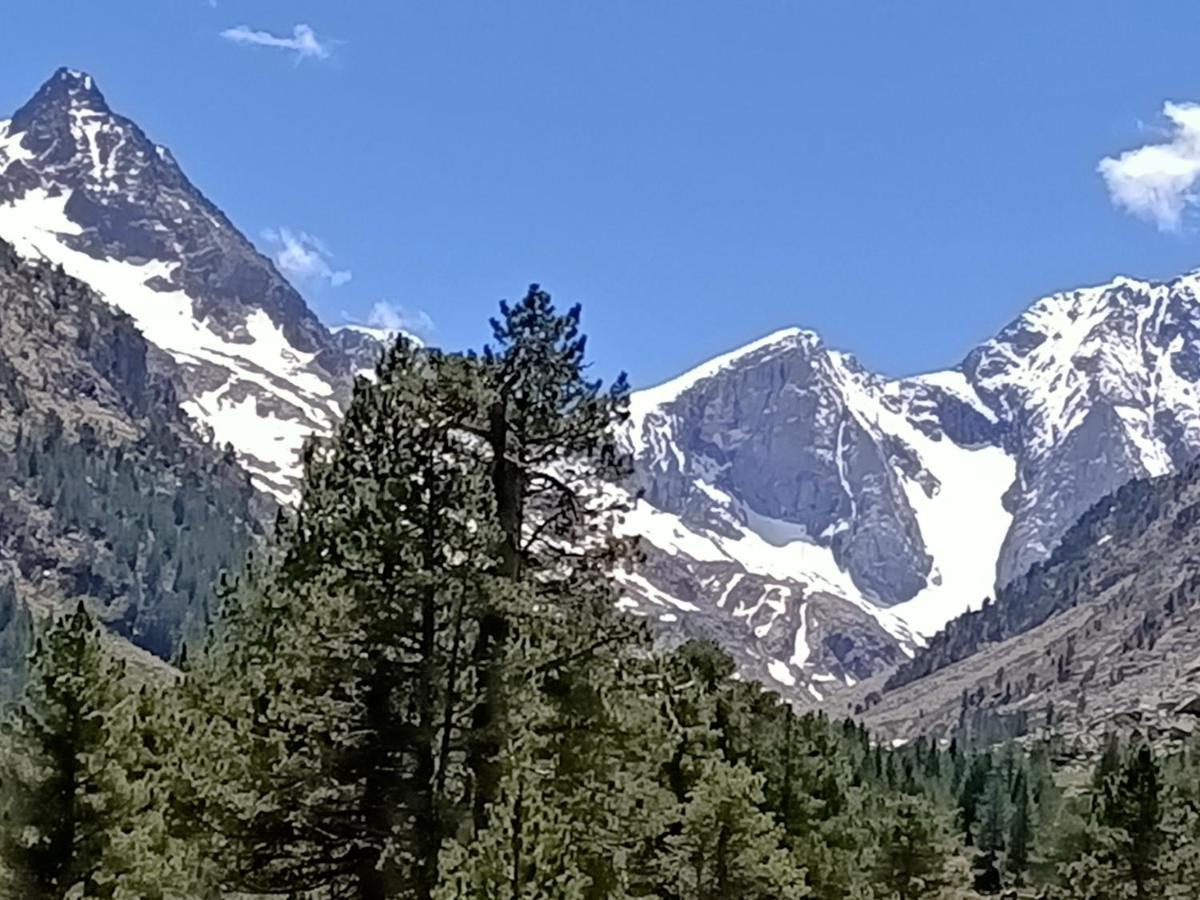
(83, 187)
(901, 503)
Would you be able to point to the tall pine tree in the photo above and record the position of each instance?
(81, 796)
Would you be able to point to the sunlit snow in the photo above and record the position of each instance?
(36, 226)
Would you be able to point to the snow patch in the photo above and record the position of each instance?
(800, 648)
(262, 360)
(11, 148)
(781, 673)
(796, 560)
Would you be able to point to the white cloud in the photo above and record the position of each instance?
(303, 257)
(386, 320)
(391, 317)
(1157, 182)
(303, 42)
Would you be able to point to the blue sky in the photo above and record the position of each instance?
(902, 177)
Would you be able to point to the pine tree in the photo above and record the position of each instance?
(727, 846)
(915, 857)
(1109, 764)
(549, 432)
(81, 817)
(16, 642)
(1020, 831)
(547, 427)
(1181, 821)
(348, 652)
(1131, 806)
(444, 523)
(992, 832)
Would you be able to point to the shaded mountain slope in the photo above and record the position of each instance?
(1103, 635)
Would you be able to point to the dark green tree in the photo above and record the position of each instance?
(1020, 831)
(1131, 805)
(548, 430)
(81, 795)
(16, 642)
(915, 855)
(347, 655)
(992, 833)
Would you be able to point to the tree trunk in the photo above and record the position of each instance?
(374, 883)
(508, 488)
(428, 838)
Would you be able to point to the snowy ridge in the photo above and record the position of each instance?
(1069, 349)
(647, 400)
(647, 420)
(262, 363)
(778, 462)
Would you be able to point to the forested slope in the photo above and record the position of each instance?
(106, 492)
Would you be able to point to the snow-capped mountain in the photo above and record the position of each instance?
(1095, 386)
(820, 520)
(84, 188)
(816, 518)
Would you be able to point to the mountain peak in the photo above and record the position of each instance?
(83, 187)
(780, 341)
(65, 90)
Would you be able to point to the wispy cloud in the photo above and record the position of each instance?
(303, 41)
(1157, 182)
(304, 257)
(392, 317)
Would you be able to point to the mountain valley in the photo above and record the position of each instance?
(821, 522)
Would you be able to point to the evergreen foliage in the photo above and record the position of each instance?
(142, 530)
(16, 641)
(82, 793)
